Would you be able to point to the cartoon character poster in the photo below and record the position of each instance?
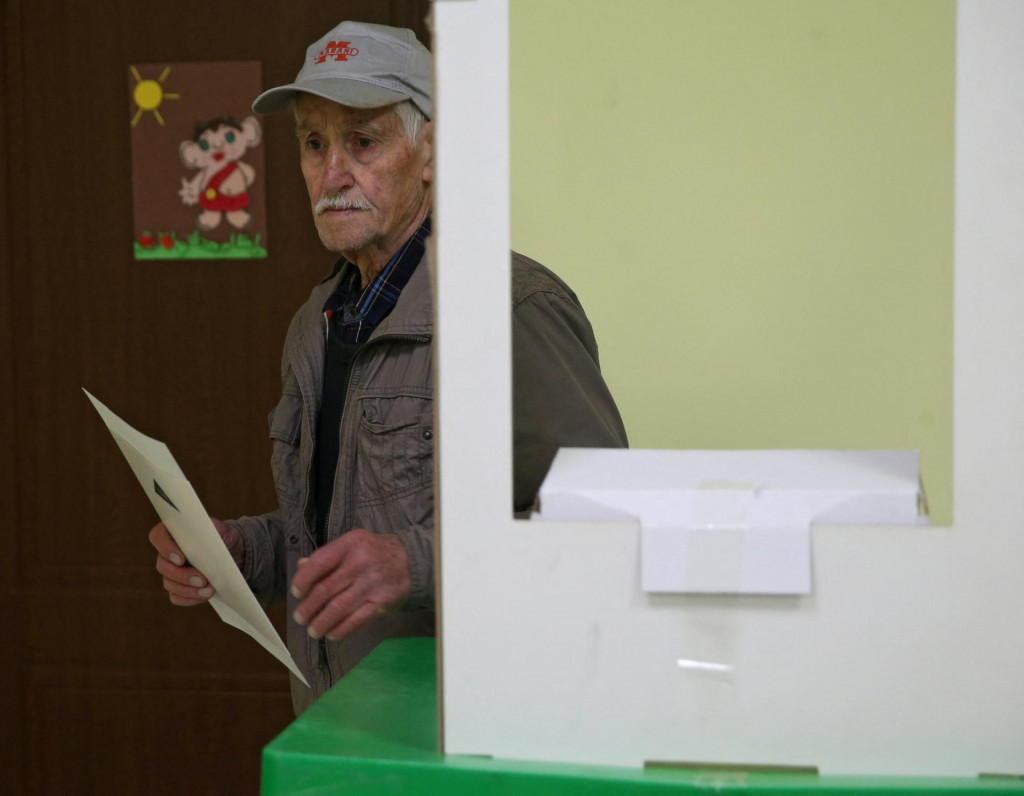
(197, 161)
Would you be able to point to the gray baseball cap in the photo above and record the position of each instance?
(360, 65)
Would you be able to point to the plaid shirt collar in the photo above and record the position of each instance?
(356, 313)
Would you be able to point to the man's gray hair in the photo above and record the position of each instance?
(412, 120)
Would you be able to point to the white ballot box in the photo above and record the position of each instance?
(732, 522)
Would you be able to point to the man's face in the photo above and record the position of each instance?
(368, 187)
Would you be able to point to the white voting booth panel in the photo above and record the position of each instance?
(907, 656)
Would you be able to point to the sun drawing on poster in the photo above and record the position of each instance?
(149, 94)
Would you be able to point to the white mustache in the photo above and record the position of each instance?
(338, 202)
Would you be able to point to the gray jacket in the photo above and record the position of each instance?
(385, 478)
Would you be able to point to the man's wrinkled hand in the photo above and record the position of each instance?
(350, 582)
(186, 585)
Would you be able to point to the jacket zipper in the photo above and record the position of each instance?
(411, 338)
(324, 661)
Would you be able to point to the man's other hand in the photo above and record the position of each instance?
(185, 584)
(350, 582)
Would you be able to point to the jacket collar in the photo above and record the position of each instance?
(414, 311)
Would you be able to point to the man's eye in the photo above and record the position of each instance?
(364, 143)
(313, 144)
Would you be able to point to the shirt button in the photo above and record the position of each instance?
(293, 539)
(428, 434)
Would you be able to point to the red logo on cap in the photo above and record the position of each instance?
(338, 50)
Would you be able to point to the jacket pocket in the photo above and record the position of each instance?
(285, 422)
(396, 450)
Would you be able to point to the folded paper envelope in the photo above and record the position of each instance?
(191, 528)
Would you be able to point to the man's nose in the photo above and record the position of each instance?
(338, 170)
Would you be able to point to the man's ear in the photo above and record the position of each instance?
(427, 131)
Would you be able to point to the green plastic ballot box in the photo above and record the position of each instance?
(375, 733)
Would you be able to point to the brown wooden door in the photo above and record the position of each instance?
(107, 687)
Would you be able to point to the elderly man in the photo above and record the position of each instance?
(351, 543)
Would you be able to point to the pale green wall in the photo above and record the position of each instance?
(754, 201)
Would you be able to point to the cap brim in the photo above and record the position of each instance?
(353, 93)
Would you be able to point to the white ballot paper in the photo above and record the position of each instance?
(189, 525)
